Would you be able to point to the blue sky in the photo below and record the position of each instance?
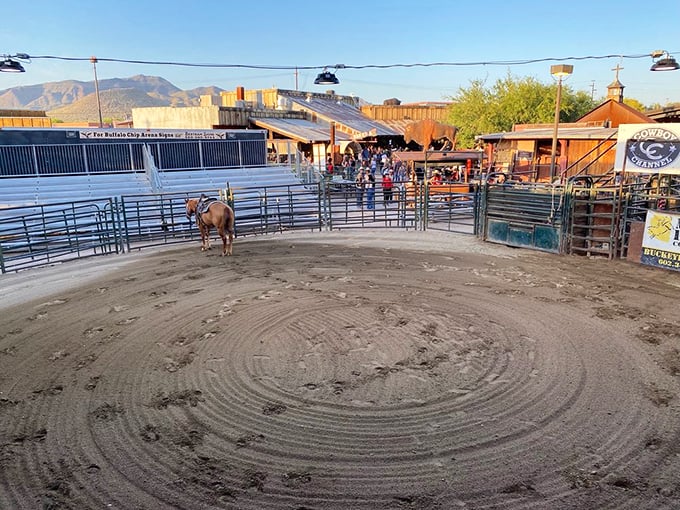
(356, 33)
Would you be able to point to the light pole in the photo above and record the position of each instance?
(559, 71)
(96, 90)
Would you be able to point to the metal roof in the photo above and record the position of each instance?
(547, 134)
(301, 130)
(399, 126)
(347, 117)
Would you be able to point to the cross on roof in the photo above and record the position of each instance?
(617, 69)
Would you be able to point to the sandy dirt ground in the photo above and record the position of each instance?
(365, 370)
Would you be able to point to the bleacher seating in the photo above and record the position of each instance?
(21, 191)
(188, 180)
(69, 188)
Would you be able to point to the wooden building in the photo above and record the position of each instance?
(398, 116)
(314, 125)
(24, 119)
(584, 147)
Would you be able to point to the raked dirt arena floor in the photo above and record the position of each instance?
(369, 370)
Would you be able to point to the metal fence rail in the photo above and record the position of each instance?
(344, 206)
(156, 219)
(594, 221)
(453, 212)
(40, 235)
(539, 217)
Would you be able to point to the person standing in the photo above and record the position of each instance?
(360, 182)
(370, 190)
(387, 186)
(345, 167)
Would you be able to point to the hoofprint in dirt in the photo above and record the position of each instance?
(363, 370)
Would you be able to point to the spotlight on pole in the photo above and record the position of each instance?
(558, 71)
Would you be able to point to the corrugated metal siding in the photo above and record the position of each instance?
(546, 134)
(301, 130)
(347, 118)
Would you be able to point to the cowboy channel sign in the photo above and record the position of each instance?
(661, 241)
(648, 148)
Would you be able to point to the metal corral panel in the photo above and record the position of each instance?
(525, 216)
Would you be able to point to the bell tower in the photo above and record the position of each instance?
(615, 88)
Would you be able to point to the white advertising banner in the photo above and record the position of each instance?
(661, 241)
(144, 134)
(648, 148)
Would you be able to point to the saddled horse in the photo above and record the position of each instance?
(210, 213)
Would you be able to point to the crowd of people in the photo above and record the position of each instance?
(376, 167)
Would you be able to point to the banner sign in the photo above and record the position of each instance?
(661, 241)
(164, 134)
(648, 148)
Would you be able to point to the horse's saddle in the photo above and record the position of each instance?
(204, 204)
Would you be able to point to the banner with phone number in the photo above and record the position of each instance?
(661, 241)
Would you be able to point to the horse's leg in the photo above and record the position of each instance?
(203, 235)
(207, 237)
(230, 221)
(221, 231)
(223, 235)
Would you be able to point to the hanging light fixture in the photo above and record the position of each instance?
(11, 64)
(326, 78)
(665, 61)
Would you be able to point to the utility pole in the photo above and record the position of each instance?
(94, 61)
(592, 89)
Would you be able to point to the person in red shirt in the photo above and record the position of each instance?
(387, 186)
(436, 178)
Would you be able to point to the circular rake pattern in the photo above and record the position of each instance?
(318, 376)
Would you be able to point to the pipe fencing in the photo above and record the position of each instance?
(38, 235)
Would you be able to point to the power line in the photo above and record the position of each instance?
(24, 56)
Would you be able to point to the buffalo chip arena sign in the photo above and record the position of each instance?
(155, 134)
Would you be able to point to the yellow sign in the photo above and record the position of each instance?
(660, 227)
(661, 241)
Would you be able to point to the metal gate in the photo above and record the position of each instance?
(452, 207)
(525, 215)
(595, 221)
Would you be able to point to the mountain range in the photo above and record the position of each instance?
(76, 101)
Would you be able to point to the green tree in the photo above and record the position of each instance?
(634, 103)
(478, 109)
